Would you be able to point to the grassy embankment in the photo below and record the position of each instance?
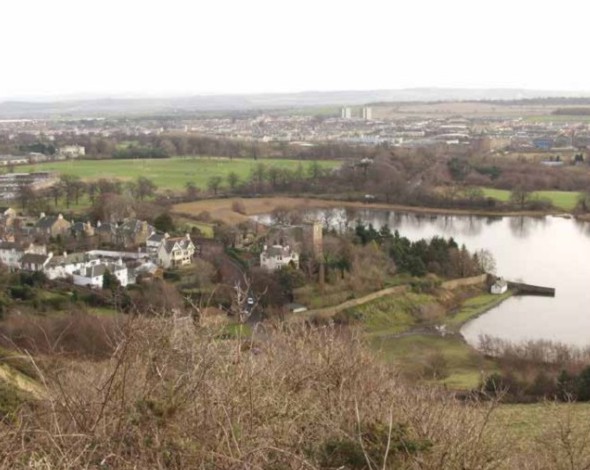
(401, 330)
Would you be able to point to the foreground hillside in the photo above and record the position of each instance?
(175, 395)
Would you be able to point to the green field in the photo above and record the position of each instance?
(418, 354)
(170, 173)
(565, 200)
(559, 118)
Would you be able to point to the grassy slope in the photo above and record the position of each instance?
(392, 314)
(565, 200)
(172, 173)
(413, 353)
(385, 319)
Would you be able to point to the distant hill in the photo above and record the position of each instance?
(93, 107)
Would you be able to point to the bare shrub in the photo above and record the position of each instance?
(78, 334)
(204, 216)
(173, 395)
(239, 207)
(436, 366)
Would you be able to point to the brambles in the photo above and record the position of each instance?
(175, 395)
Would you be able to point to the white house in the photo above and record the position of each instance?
(64, 266)
(11, 253)
(499, 287)
(92, 274)
(277, 256)
(174, 252)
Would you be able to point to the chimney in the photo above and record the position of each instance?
(42, 215)
(60, 217)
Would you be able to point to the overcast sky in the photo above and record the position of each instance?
(177, 47)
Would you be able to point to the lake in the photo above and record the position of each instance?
(547, 251)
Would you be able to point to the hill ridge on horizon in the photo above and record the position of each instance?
(123, 104)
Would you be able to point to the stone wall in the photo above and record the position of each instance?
(465, 282)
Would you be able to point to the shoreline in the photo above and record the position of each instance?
(221, 208)
(479, 312)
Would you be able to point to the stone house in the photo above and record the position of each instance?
(175, 252)
(106, 232)
(153, 243)
(133, 232)
(52, 225)
(82, 229)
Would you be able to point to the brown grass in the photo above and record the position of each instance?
(174, 396)
(79, 335)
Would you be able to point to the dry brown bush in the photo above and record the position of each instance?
(172, 395)
(77, 334)
(239, 207)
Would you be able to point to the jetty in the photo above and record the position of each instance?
(521, 288)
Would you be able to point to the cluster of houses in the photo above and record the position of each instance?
(129, 250)
(152, 252)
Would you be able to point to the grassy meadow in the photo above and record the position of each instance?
(169, 173)
(448, 360)
(565, 200)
